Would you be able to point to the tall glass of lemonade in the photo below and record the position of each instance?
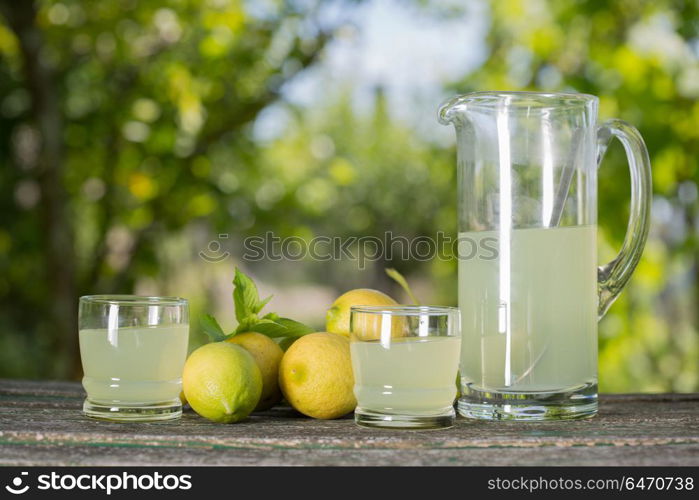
(133, 351)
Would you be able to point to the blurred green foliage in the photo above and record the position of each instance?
(122, 123)
(641, 59)
(126, 133)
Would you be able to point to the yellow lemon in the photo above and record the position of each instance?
(222, 382)
(373, 326)
(268, 355)
(316, 378)
(337, 319)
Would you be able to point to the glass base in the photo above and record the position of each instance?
(576, 403)
(130, 412)
(368, 418)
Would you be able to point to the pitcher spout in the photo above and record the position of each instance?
(452, 111)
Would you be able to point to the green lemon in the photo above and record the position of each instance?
(222, 382)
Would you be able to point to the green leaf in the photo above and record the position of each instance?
(212, 328)
(246, 323)
(282, 327)
(261, 304)
(269, 328)
(247, 304)
(398, 278)
(285, 342)
(245, 296)
(294, 328)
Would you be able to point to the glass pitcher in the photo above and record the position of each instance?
(530, 291)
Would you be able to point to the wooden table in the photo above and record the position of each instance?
(41, 424)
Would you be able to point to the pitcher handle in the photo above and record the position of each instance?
(612, 277)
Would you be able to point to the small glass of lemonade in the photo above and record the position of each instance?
(133, 351)
(405, 361)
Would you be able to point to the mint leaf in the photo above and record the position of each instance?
(269, 328)
(282, 327)
(247, 304)
(212, 328)
(261, 304)
(285, 342)
(245, 296)
(244, 324)
(294, 328)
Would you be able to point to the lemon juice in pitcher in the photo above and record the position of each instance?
(537, 334)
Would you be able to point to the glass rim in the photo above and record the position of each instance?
(488, 97)
(519, 100)
(134, 300)
(406, 310)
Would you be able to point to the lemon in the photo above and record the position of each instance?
(268, 355)
(337, 319)
(316, 378)
(222, 382)
(369, 326)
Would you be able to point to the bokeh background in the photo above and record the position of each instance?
(134, 134)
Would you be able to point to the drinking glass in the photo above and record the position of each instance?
(133, 351)
(405, 361)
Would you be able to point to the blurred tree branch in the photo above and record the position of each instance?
(59, 256)
(82, 78)
(246, 111)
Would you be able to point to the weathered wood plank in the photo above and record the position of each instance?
(36, 454)
(41, 423)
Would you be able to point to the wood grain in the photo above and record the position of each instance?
(41, 424)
